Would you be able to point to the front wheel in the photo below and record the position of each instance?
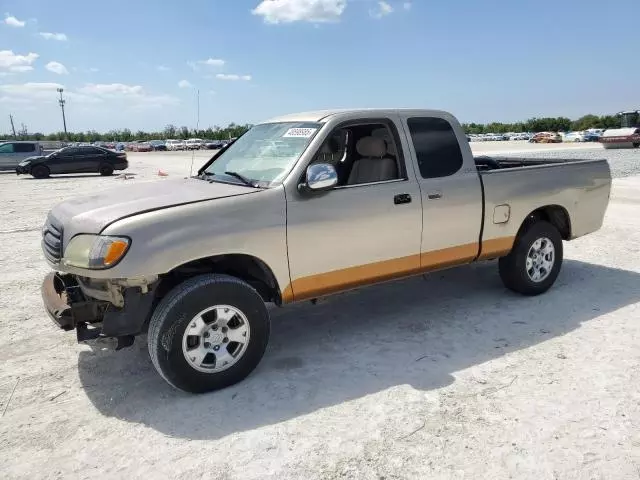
(534, 262)
(208, 333)
(40, 171)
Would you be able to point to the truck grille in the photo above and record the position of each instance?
(52, 241)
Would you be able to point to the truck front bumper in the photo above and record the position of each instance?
(55, 302)
(70, 308)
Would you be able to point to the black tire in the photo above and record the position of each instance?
(176, 311)
(40, 171)
(636, 145)
(513, 270)
(105, 170)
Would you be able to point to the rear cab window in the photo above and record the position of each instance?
(437, 148)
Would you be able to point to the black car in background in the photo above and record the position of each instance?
(80, 159)
(158, 145)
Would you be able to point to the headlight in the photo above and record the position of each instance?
(24, 163)
(95, 251)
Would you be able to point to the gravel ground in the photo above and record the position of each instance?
(447, 376)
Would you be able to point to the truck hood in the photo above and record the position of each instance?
(92, 213)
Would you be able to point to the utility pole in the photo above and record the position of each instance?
(13, 128)
(61, 102)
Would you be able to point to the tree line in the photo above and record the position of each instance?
(547, 124)
(126, 135)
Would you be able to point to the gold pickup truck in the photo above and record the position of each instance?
(300, 207)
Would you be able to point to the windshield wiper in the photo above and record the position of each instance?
(242, 178)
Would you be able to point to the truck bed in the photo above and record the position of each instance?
(487, 163)
(579, 187)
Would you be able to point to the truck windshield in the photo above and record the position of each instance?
(266, 153)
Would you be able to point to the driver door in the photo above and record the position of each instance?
(355, 234)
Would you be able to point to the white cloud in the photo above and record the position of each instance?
(382, 10)
(116, 95)
(184, 84)
(133, 95)
(93, 70)
(12, 62)
(21, 68)
(162, 68)
(61, 37)
(111, 89)
(13, 21)
(289, 11)
(229, 76)
(209, 62)
(57, 67)
(28, 92)
(407, 5)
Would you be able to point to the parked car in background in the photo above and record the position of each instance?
(194, 144)
(174, 145)
(546, 137)
(158, 145)
(213, 144)
(590, 136)
(139, 146)
(144, 147)
(520, 136)
(81, 159)
(574, 137)
(13, 152)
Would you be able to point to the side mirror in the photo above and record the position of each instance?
(320, 177)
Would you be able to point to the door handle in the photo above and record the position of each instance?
(402, 198)
(434, 196)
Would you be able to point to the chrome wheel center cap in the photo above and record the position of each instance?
(216, 337)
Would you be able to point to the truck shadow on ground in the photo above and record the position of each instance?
(415, 332)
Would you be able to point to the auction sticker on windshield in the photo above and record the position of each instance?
(299, 132)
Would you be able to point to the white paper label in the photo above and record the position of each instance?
(299, 132)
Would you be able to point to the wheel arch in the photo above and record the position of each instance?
(249, 268)
(556, 215)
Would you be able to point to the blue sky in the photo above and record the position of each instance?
(137, 64)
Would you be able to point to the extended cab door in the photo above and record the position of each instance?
(365, 230)
(451, 190)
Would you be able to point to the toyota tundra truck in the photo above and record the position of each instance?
(298, 208)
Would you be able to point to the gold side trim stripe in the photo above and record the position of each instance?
(336, 281)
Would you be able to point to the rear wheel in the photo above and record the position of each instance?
(208, 333)
(40, 171)
(636, 145)
(535, 260)
(105, 170)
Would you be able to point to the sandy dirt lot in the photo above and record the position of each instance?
(447, 376)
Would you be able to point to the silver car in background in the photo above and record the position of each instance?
(14, 152)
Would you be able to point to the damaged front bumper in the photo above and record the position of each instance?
(69, 306)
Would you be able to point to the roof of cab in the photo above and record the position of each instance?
(321, 115)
